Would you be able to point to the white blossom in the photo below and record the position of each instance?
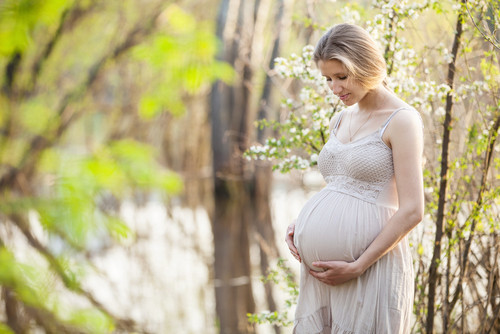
(307, 52)
(440, 111)
(349, 16)
(296, 70)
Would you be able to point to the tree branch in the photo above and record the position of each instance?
(447, 125)
(487, 38)
(493, 135)
(69, 283)
(68, 19)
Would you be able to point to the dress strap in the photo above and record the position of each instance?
(384, 126)
(338, 122)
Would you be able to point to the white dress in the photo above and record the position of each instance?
(339, 223)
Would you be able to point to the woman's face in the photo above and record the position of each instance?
(347, 89)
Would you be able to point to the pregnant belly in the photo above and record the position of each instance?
(336, 226)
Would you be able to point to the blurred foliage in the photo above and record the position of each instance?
(18, 19)
(183, 59)
(282, 277)
(64, 65)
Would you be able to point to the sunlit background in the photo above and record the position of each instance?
(153, 152)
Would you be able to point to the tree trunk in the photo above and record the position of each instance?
(447, 125)
(12, 311)
(233, 289)
(230, 116)
(266, 237)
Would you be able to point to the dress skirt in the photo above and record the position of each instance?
(335, 225)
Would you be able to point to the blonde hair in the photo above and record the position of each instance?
(356, 50)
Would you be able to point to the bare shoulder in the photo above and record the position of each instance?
(405, 129)
(405, 120)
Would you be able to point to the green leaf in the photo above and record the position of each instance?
(148, 107)
(19, 17)
(118, 229)
(172, 183)
(92, 320)
(4, 329)
(180, 21)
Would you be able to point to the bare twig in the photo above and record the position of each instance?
(487, 38)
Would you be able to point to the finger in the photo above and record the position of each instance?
(292, 247)
(324, 265)
(317, 274)
(289, 241)
(320, 276)
(299, 258)
(294, 251)
(320, 264)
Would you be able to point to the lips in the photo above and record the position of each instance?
(343, 97)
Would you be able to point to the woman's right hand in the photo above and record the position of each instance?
(290, 231)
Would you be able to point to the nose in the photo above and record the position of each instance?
(336, 87)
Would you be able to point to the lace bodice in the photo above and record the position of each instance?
(362, 168)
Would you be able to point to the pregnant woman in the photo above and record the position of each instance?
(356, 267)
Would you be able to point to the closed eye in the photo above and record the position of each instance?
(340, 78)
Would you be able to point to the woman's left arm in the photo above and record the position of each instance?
(405, 136)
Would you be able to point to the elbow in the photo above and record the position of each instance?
(417, 216)
(414, 215)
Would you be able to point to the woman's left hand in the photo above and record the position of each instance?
(337, 272)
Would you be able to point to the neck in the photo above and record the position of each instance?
(375, 99)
